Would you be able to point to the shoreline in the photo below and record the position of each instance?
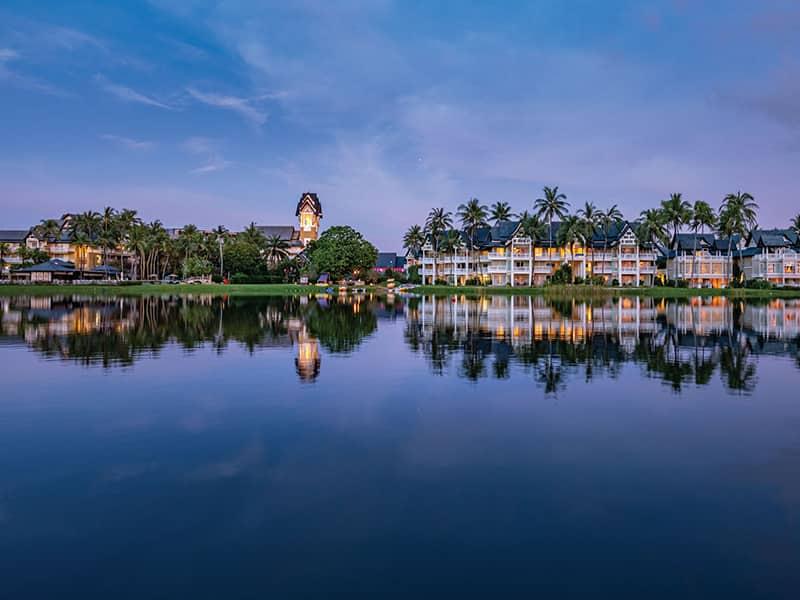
(565, 291)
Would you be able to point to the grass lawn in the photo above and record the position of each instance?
(159, 289)
(560, 291)
(587, 291)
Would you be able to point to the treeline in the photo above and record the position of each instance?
(736, 215)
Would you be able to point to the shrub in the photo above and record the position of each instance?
(578, 281)
(216, 278)
(615, 283)
(239, 278)
(473, 281)
(758, 284)
(562, 275)
(441, 282)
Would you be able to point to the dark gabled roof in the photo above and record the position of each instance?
(315, 203)
(385, 260)
(773, 238)
(54, 265)
(751, 251)
(105, 269)
(13, 236)
(400, 262)
(689, 242)
(285, 232)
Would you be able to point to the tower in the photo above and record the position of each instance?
(309, 213)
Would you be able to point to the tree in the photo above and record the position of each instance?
(84, 229)
(252, 235)
(608, 219)
(500, 212)
(572, 230)
(738, 216)
(796, 224)
(48, 229)
(341, 251)
(196, 266)
(275, 249)
(591, 219)
(652, 227)
(677, 213)
(472, 215)
(436, 224)
(553, 204)
(5, 250)
(109, 233)
(414, 239)
(241, 255)
(126, 220)
(702, 216)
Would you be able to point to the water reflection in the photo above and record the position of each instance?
(552, 342)
(118, 331)
(680, 342)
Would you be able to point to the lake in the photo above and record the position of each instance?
(317, 447)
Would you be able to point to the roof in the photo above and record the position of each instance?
(54, 265)
(285, 232)
(389, 260)
(773, 238)
(311, 198)
(14, 236)
(105, 269)
(689, 242)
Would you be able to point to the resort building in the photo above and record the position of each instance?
(704, 260)
(64, 246)
(309, 215)
(12, 240)
(389, 261)
(772, 255)
(504, 256)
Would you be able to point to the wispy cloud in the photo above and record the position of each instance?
(128, 94)
(206, 148)
(242, 106)
(127, 142)
(14, 78)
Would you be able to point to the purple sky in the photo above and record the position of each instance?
(224, 112)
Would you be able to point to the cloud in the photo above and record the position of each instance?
(207, 148)
(127, 94)
(241, 106)
(25, 82)
(129, 143)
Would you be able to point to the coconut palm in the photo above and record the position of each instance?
(414, 239)
(108, 237)
(796, 224)
(591, 219)
(472, 215)
(553, 204)
(449, 244)
(126, 219)
(84, 229)
(572, 230)
(702, 216)
(500, 212)
(677, 213)
(252, 235)
(652, 227)
(48, 229)
(738, 214)
(275, 249)
(438, 221)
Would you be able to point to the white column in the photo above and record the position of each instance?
(638, 270)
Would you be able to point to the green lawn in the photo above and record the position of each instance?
(586, 291)
(562, 291)
(158, 289)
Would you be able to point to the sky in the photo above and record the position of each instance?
(225, 112)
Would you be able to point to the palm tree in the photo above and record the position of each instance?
(48, 229)
(591, 219)
(450, 242)
(414, 239)
(109, 233)
(572, 230)
(677, 213)
(436, 224)
(135, 243)
(796, 224)
(472, 215)
(84, 229)
(500, 213)
(533, 228)
(5, 250)
(126, 219)
(554, 204)
(276, 249)
(739, 216)
(702, 216)
(608, 219)
(252, 235)
(652, 227)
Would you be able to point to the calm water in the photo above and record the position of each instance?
(393, 447)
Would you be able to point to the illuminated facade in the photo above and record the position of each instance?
(504, 256)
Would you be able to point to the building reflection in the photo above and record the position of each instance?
(677, 341)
